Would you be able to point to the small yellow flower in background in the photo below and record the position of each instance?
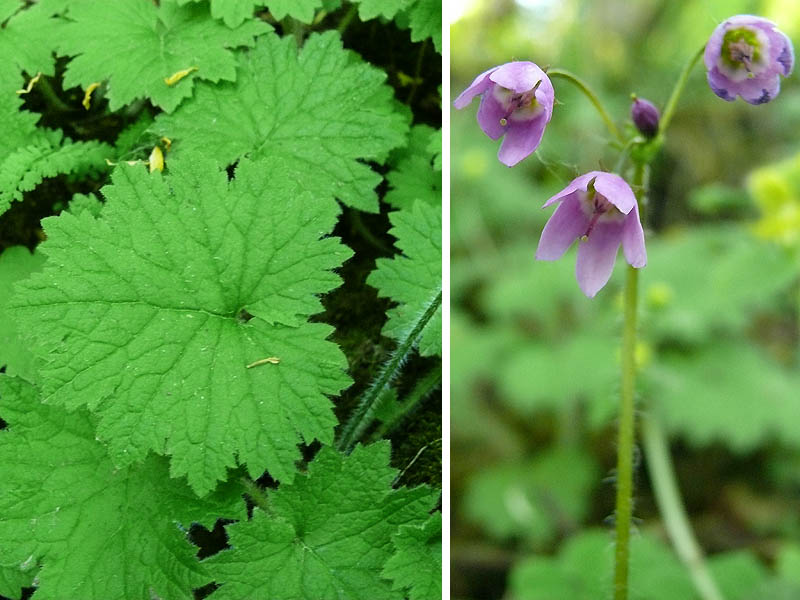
(776, 191)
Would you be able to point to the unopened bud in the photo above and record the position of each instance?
(645, 116)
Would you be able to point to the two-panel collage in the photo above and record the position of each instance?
(399, 300)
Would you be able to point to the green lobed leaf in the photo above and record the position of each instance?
(326, 536)
(532, 499)
(144, 314)
(28, 39)
(417, 564)
(16, 263)
(136, 45)
(86, 528)
(584, 567)
(322, 109)
(414, 278)
(233, 12)
(722, 257)
(51, 154)
(413, 175)
(369, 9)
(302, 10)
(425, 19)
(726, 391)
(13, 579)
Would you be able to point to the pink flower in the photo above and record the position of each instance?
(599, 209)
(745, 56)
(516, 101)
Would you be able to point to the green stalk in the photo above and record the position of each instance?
(422, 389)
(367, 405)
(593, 98)
(668, 498)
(626, 433)
(348, 16)
(672, 103)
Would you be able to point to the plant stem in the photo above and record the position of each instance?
(625, 439)
(672, 103)
(668, 498)
(429, 382)
(365, 411)
(351, 12)
(593, 98)
(626, 434)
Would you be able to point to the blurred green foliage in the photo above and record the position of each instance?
(534, 364)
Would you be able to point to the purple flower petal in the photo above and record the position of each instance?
(718, 84)
(567, 223)
(479, 85)
(546, 95)
(786, 58)
(518, 76)
(596, 257)
(522, 138)
(633, 239)
(489, 114)
(579, 183)
(616, 190)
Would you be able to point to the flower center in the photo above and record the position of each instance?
(743, 49)
(522, 106)
(597, 206)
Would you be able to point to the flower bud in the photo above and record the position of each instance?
(645, 116)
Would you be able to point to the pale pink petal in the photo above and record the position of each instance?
(579, 183)
(545, 95)
(489, 114)
(566, 224)
(522, 138)
(616, 190)
(596, 257)
(518, 76)
(478, 86)
(633, 239)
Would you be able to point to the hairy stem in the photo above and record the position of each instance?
(626, 433)
(422, 389)
(365, 411)
(348, 16)
(672, 103)
(668, 498)
(593, 98)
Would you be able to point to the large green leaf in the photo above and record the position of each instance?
(144, 315)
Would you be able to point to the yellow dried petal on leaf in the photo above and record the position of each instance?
(167, 143)
(87, 96)
(273, 360)
(30, 85)
(177, 76)
(156, 159)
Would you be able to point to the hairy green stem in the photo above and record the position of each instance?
(593, 98)
(365, 410)
(422, 389)
(348, 16)
(626, 433)
(417, 72)
(668, 498)
(672, 103)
